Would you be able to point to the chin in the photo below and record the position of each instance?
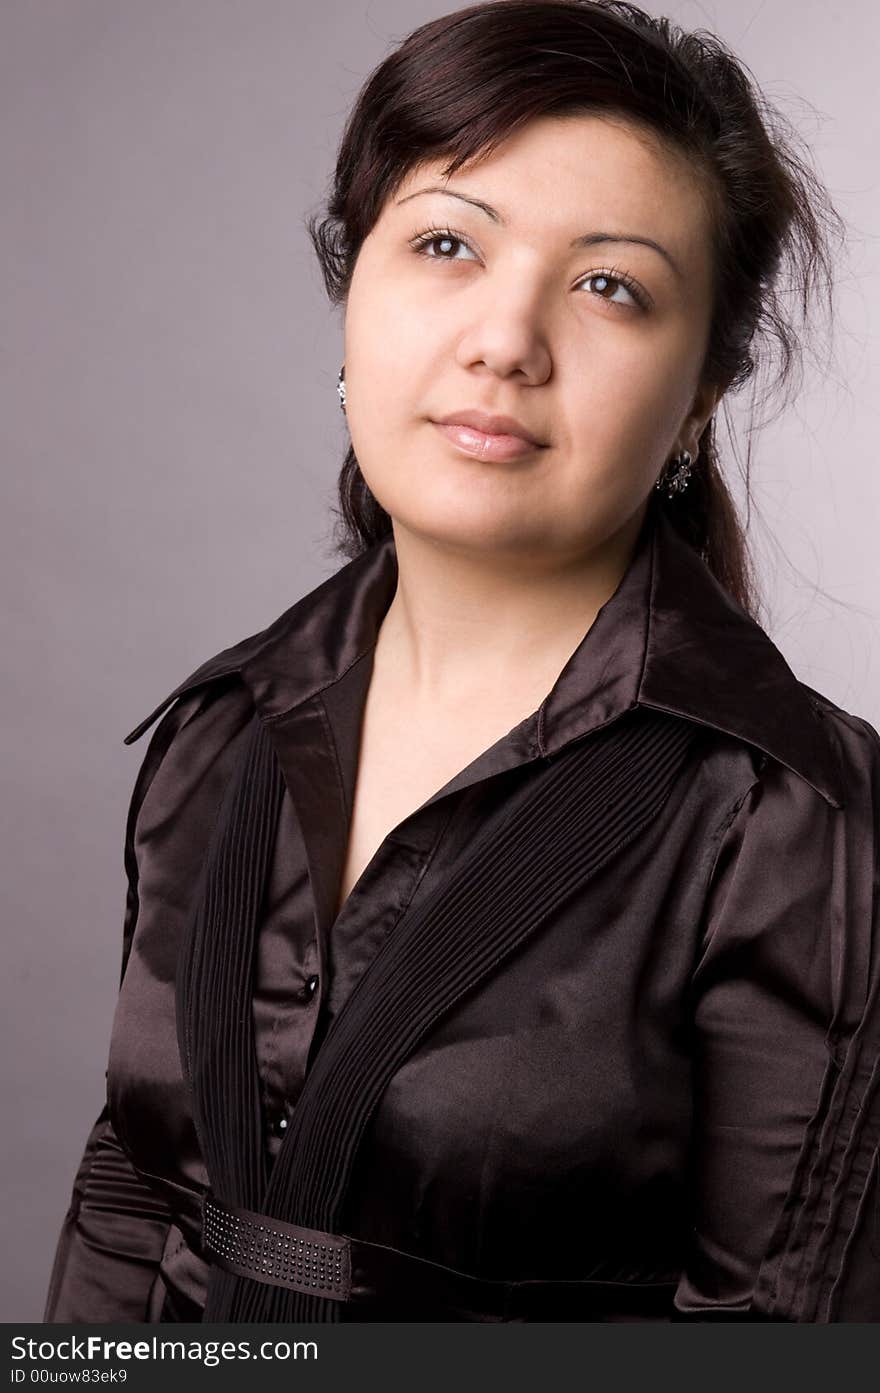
(463, 525)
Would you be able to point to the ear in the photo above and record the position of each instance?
(702, 408)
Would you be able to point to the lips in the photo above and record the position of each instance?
(481, 445)
(489, 423)
(485, 436)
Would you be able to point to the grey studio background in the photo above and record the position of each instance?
(172, 435)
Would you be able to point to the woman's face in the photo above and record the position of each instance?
(595, 349)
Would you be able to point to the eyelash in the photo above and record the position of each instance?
(612, 273)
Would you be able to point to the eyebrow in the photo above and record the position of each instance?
(587, 239)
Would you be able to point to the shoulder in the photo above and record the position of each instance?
(221, 672)
(855, 740)
(793, 884)
(782, 811)
(777, 802)
(191, 751)
(190, 754)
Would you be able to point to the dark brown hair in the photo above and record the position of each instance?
(459, 85)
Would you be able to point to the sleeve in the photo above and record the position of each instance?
(106, 1265)
(785, 1014)
(112, 1240)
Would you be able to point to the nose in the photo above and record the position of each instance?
(507, 337)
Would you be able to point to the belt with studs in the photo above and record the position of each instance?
(342, 1268)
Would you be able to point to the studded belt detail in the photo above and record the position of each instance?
(279, 1254)
(352, 1269)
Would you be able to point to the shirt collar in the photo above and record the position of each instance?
(670, 637)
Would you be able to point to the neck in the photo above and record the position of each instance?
(464, 621)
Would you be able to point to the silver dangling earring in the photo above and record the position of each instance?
(675, 481)
(340, 386)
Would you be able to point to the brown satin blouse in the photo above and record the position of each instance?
(672, 1087)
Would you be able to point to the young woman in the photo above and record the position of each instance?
(502, 937)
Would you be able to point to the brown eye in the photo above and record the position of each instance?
(608, 283)
(442, 237)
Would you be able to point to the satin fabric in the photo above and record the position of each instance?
(569, 817)
(673, 1083)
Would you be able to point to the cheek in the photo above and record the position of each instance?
(384, 321)
(613, 428)
(633, 405)
(386, 384)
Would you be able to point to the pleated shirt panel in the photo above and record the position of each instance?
(307, 961)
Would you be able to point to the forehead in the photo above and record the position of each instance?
(559, 172)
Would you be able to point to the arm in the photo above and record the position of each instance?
(786, 1017)
(113, 1236)
(112, 1239)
